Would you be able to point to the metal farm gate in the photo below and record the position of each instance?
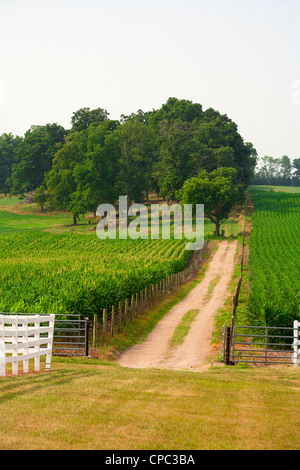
(70, 335)
(260, 344)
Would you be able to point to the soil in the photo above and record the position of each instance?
(193, 353)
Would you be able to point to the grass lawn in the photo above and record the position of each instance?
(12, 223)
(83, 404)
(18, 216)
(283, 189)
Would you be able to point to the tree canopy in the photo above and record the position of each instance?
(98, 159)
(277, 171)
(219, 191)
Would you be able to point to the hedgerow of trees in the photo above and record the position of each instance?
(98, 159)
(277, 171)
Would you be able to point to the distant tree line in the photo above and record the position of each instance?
(98, 159)
(277, 171)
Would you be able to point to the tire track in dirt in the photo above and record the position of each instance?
(155, 351)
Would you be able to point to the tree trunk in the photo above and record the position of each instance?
(217, 231)
(74, 220)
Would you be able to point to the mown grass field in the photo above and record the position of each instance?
(94, 406)
(281, 189)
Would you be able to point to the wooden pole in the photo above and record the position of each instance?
(86, 344)
(126, 310)
(227, 346)
(131, 307)
(120, 316)
(95, 330)
(104, 323)
(136, 304)
(112, 320)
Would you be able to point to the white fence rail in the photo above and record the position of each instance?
(25, 337)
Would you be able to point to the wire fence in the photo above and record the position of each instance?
(113, 320)
(227, 330)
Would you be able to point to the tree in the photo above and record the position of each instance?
(191, 140)
(34, 157)
(82, 118)
(84, 172)
(137, 141)
(286, 170)
(60, 181)
(219, 191)
(269, 172)
(40, 197)
(174, 109)
(216, 132)
(176, 161)
(296, 174)
(274, 171)
(8, 148)
(96, 175)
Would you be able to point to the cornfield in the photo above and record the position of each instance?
(77, 273)
(274, 259)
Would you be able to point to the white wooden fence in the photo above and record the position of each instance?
(25, 337)
(296, 343)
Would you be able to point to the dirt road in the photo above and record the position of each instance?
(208, 296)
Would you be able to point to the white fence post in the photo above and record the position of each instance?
(37, 364)
(50, 344)
(20, 342)
(15, 351)
(296, 343)
(2, 349)
(26, 348)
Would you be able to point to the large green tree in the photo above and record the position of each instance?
(34, 157)
(85, 168)
(8, 148)
(97, 174)
(176, 161)
(82, 118)
(60, 181)
(296, 171)
(137, 158)
(219, 191)
(190, 140)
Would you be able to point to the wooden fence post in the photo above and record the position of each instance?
(141, 302)
(131, 307)
(227, 345)
(112, 320)
(86, 345)
(120, 316)
(136, 304)
(95, 330)
(126, 310)
(104, 323)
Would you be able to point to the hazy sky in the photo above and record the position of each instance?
(240, 57)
